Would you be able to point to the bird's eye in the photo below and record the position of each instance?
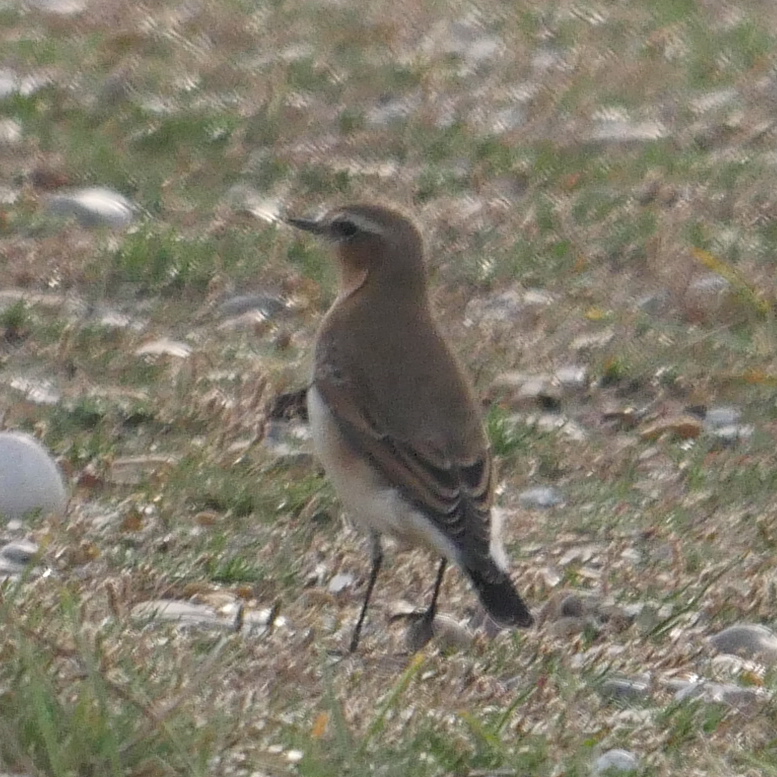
(343, 228)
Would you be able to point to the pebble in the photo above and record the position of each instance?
(268, 306)
(39, 392)
(133, 470)
(624, 689)
(10, 132)
(392, 110)
(727, 436)
(182, 613)
(547, 388)
(614, 761)
(30, 479)
(654, 304)
(505, 119)
(513, 306)
(572, 377)
(711, 298)
(526, 391)
(249, 200)
(716, 417)
(569, 612)
(749, 640)
(287, 442)
(541, 496)
(592, 341)
(448, 633)
(229, 612)
(94, 207)
(164, 347)
(9, 83)
(553, 423)
(20, 551)
(621, 131)
(60, 7)
(15, 558)
(340, 582)
(746, 700)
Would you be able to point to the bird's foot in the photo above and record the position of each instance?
(420, 630)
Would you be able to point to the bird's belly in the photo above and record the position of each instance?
(369, 499)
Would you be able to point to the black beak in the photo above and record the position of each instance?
(308, 225)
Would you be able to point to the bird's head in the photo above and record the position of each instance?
(377, 247)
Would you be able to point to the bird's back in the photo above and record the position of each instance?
(428, 400)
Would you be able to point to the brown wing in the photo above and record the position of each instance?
(454, 492)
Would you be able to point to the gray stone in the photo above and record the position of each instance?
(541, 496)
(707, 295)
(39, 392)
(624, 689)
(727, 436)
(340, 582)
(94, 207)
(19, 551)
(30, 480)
(572, 377)
(268, 306)
(746, 700)
(654, 304)
(181, 613)
(716, 417)
(10, 569)
(614, 762)
(749, 640)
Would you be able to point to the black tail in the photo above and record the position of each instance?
(502, 602)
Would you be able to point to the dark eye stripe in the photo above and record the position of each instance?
(344, 228)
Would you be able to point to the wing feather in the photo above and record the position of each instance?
(454, 492)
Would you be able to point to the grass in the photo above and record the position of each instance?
(308, 105)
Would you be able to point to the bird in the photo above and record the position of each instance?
(393, 415)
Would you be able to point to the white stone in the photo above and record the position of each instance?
(614, 761)
(93, 207)
(30, 480)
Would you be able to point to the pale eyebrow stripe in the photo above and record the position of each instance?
(362, 222)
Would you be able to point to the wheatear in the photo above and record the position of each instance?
(394, 418)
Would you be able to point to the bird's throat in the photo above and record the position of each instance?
(351, 280)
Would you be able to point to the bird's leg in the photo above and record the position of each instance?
(432, 611)
(377, 560)
(422, 629)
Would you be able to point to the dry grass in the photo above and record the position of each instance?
(491, 125)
